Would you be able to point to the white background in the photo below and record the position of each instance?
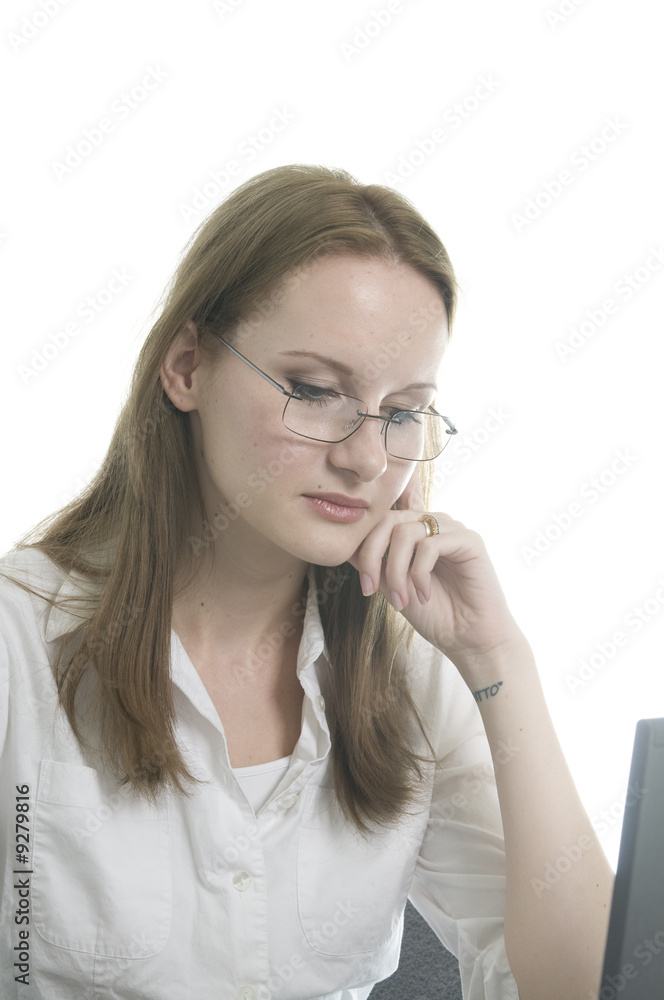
(367, 96)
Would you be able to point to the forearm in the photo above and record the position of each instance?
(559, 882)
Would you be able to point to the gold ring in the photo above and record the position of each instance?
(431, 525)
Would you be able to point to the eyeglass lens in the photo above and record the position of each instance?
(414, 436)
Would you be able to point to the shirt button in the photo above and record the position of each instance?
(320, 701)
(290, 801)
(242, 881)
(245, 993)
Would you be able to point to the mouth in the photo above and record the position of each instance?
(336, 506)
(338, 498)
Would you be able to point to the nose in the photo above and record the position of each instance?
(363, 453)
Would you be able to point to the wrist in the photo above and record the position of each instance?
(491, 668)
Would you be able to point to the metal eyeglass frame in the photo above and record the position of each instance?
(451, 429)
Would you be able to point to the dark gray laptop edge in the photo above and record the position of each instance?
(634, 955)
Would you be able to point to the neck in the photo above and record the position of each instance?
(240, 602)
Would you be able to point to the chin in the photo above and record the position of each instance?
(328, 555)
(329, 563)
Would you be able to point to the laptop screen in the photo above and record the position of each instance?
(634, 955)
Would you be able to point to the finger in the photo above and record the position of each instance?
(368, 559)
(404, 543)
(454, 544)
(409, 550)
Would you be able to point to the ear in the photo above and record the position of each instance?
(411, 498)
(179, 365)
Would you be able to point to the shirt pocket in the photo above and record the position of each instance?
(352, 890)
(101, 879)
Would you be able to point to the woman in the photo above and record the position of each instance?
(284, 685)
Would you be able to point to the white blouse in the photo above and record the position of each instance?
(223, 895)
(258, 781)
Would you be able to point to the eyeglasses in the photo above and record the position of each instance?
(329, 416)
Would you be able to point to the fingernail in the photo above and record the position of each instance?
(420, 596)
(396, 600)
(367, 584)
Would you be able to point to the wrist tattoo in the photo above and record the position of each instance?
(488, 692)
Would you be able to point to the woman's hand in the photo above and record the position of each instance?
(465, 615)
(462, 609)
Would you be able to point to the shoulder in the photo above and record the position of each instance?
(40, 602)
(31, 565)
(29, 582)
(27, 687)
(43, 597)
(28, 578)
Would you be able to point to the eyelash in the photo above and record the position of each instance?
(296, 384)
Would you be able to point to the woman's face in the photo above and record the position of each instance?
(387, 326)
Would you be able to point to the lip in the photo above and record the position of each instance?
(338, 498)
(330, 507)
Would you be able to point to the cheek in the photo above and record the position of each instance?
(243, 432)
(400, 482)
(274, 461)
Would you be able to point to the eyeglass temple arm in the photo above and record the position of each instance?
(257, 370)
(451, 429)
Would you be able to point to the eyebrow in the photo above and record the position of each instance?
(343, 369)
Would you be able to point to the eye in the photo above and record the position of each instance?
(311, 393)
(402, 416)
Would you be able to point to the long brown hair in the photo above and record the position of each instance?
(129, 527)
